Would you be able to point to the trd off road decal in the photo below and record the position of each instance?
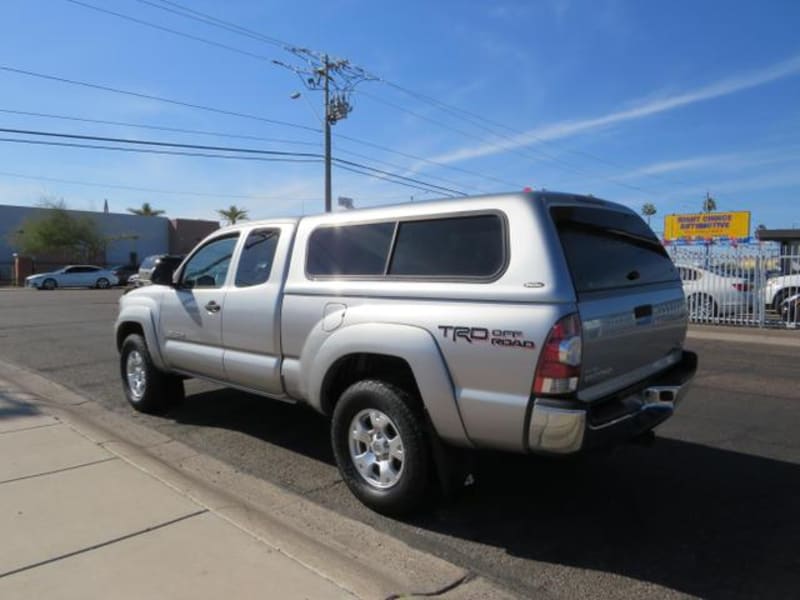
(495, 337)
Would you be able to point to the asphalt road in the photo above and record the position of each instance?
(712, 509)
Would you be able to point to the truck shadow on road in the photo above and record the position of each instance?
(700, 520)
(704, 521)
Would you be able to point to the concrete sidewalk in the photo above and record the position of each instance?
(78, 521)
(95, 505)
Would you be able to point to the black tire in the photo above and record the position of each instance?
(696, 301)
(409, 490)
(49, 284)
(160, 390)
(781, 296)
(103, 283)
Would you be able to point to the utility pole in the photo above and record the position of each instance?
(337, 79)
(326, 75)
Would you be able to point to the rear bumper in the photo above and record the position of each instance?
(570, 426)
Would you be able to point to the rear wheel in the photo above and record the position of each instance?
(380, 446)
(146, 387)
(702, 306)
(49, 284)
(103, 283)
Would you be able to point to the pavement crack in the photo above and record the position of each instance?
(31, 427)
(438, 592)
(121, 538)
(322, 488)
(72, 468)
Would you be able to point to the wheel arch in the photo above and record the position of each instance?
(403, 355)
(139, 320)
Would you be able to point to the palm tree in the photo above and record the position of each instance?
(232, 214)
(709, 204)
(146, 211)
(648, 210)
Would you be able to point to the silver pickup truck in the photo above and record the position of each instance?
(531, 322)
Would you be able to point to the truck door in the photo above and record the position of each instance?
(251, 327)
(192, 312)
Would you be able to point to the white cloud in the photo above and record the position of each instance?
(565, 129)
(726, 161)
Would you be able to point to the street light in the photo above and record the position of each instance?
(321, 72)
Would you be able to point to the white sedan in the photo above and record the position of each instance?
(73, 276)
(710, 294)
(780, 288)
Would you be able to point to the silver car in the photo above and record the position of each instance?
(89, 276)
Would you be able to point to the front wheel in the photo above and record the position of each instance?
(781, 296)
(147, 388)
(380, 447)
(49, 284)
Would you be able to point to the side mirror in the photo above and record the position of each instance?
(162, 273)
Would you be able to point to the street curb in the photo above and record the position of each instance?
(333, 546)
(788, 339)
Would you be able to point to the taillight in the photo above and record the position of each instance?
(741, 287)
(560, 358)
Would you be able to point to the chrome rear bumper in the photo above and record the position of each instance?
(569, 426)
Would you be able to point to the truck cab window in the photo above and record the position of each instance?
(209, 265)
(255, 262)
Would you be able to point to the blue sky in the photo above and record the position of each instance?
(631, 101)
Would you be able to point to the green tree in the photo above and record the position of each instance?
(232, 214)
(58, 233)
(146, 211)
(648, 210)
(709, 204)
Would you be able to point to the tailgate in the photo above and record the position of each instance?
(630, 298)
(629, 337)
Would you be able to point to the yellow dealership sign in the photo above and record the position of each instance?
(707, 225)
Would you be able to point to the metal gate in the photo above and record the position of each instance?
(745, 284)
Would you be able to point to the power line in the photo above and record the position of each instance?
(249, 116)
(134, 188)
(522, 152)
(460, 113)
(97, 138)
(396, 166)
(216, 134)
(355, 170)
(477, 120)
(428, 161)
(151, 151)
(203, 155)
(189, 13)
(105, 88)
(189, 36)
(198, 16)
(157, 127)
(252, 153)
(349, 163)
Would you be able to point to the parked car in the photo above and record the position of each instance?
(531, 323)
(123, 272)
(73, 276)
(712, 294)
(779, 288)
(151, 262)
(790, 309)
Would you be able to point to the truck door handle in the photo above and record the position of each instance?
(213, 307)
